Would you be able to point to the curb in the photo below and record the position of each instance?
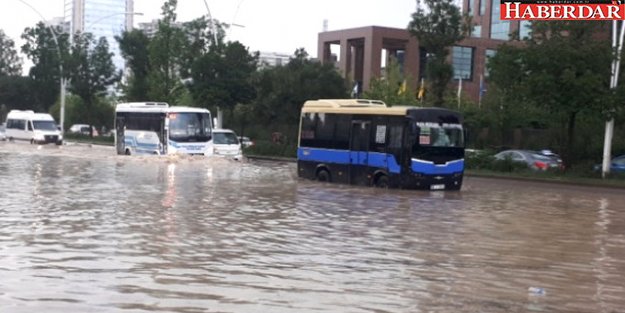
(270, 158)
(596, 184)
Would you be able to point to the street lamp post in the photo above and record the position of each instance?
(220, 113)
(63, 80)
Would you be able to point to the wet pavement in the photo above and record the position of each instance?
(85, 230)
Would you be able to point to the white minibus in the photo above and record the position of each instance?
(36, 128)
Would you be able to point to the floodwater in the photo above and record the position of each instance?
(84, 230)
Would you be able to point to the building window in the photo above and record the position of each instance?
(525, 30)
(462, 61)
(477, 31)
(482, 7)
(488, 54)
(498, 29)
(470, 7)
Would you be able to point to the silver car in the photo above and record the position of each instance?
(533, 159)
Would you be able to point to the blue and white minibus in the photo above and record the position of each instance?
(366, 142)
(157, 128)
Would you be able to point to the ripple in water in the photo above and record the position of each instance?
(84, 230)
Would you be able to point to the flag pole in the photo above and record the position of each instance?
(479, 102)
(459, 90)
(421, 93)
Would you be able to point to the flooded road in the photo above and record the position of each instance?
(84, 230)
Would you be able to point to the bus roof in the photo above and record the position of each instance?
(353, 106)
(156, 107)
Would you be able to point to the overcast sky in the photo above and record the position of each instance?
(269, 25)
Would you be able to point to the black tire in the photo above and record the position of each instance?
(127, 152)
(59, 143)
(323, 176)
(382, 182)
(32, 141)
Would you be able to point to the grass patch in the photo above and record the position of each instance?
(268, 148)
(101, 140)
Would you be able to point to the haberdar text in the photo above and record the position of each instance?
(561, 11)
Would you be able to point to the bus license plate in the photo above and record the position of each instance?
(437, 187)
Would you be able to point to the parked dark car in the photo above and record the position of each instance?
(533, 159)
(552, 155)
(617, 165)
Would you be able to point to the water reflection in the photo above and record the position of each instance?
(84, 230)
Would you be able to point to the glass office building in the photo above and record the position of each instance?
(102, 18)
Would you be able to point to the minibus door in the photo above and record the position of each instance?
(120, 124)
(359, 152)
(163, 134)
(30, 130)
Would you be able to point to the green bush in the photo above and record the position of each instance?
(479, 160)
(107, 140)
(268, 148)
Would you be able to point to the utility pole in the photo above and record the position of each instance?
(63, 81)
(220, 113)
(617, 47)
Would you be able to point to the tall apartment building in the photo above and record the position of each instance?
(273, 59)
(102, 18)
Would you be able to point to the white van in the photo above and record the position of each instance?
(33, 127)
(226, 144)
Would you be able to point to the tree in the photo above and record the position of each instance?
(10, 63)
(393, 88)
(222, 76)
(438, 26)
(166, 51)
(282, 90)
(564, 69)
(92, 70)
(134, 48)
(103, 111)
(16, 92)
(48, 52)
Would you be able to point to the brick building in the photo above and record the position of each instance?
(361, 50)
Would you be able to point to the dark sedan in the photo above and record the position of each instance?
(532, 159)
(617, 165)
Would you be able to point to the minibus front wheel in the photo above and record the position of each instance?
(382, 181)
(323, 175)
